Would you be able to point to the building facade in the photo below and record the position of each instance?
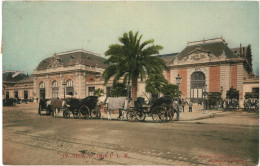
(78, 73)
(211, 63)
(75, 73)
(17, 84)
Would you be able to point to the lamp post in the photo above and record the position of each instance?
(205, 94)
(221, 91)
(178, 81)
(64, 87)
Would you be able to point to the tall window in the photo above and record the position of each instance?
(55, 89)
(255, 90)
(69, 88)
(7, 95)
(109, 91)
(42, 90)
(197, 82)
(91, 91)
(25, 94)
(16, 94)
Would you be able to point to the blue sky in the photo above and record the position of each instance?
(33, 31)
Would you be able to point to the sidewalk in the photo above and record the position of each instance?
(235, 117)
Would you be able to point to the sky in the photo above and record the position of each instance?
(33, 31)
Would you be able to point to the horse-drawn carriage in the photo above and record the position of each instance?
(87, 107)
(232, 103)
(161, 110)
(251, 101)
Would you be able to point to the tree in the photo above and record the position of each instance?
(118, 90)
(99, 92)
(155, 83)
(170, 90)
(132, 59)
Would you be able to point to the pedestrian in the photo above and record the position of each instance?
(183, 104)
(108, 114)
(190, 106)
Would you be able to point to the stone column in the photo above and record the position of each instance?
(82, 85)
(240, 80)
(76, 86)
(47, 87)
(225, 78)
(173, 75)
(61, 90)
(35, 89)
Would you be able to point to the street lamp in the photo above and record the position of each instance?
(205, 94)
(221, 91)
(178, 81)
(64, 87)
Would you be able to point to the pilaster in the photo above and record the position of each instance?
(240, 79)
(225, 78)
(47, 87)
(61, 88)
(35, 88)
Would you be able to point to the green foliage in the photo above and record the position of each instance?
(170, 90)
(132, 59)
(99, 92)
(118, 90)
(155, 83)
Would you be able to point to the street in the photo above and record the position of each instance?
(29, 138)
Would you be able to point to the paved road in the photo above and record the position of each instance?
(32, 139)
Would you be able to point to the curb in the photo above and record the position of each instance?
(202, 117)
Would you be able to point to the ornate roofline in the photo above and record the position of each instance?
(214, 40)
(240, 60)
(77, 50)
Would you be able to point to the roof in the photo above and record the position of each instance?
(168, 57)
(215, 47)
(13, 76)
(73, 58)
(240, 51)
(26, 80)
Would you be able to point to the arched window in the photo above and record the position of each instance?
(197, 82)
(42, 90)
(55, 89)
(69, 88)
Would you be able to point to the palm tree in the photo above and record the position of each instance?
(131, 60)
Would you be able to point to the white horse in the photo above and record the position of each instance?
(56, 105)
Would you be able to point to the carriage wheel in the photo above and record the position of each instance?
(84, 112)
(163, 115)
(155, 113)
(75, 113)
(66, 113)
(140, 116)
(131, 115)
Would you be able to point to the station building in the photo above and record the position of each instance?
(211, 63)
(78, 73)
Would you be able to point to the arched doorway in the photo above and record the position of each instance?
(42, 90)
(197, 82)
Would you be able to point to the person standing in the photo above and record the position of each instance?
(183, 104)
(190, 106)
